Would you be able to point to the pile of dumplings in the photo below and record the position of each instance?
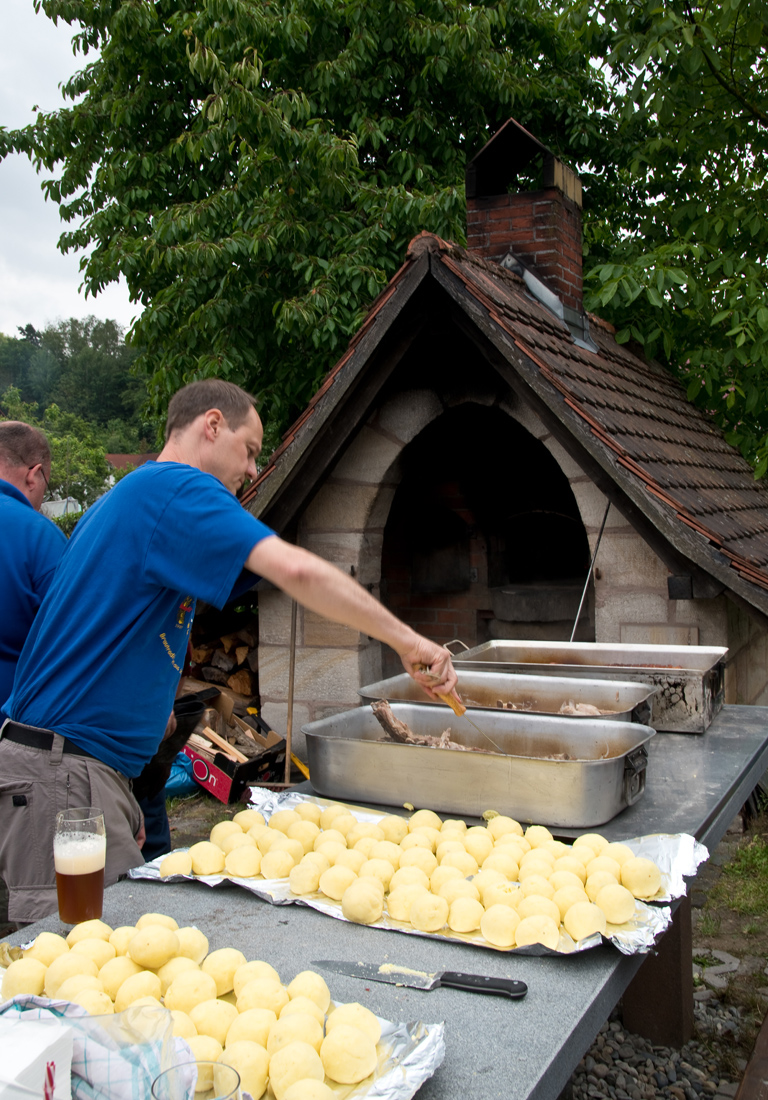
(226, 1008)
(515, 887)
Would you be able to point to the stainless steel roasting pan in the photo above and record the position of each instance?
(618, 701)
(553, 771)
(689, 680)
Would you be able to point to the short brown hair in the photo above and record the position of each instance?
(209, 393)
(23, 445)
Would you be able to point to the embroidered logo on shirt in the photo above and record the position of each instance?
(184, 607)
(169, 651)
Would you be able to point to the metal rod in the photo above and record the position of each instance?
(589, 574)
(291, 675)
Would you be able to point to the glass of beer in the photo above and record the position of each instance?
(79, 854)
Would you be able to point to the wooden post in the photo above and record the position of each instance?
(291, 677)
(658, 1002)
(754, 1084)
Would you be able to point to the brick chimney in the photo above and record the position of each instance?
(542, 228)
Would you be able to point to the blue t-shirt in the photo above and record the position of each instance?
(104, 656)
(31, 546)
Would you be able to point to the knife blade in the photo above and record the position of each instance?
(418, 979)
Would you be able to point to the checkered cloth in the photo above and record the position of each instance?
(115, 1057)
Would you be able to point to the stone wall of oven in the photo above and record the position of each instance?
(345, 525)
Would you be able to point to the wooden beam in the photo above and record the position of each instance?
(320, 454)
(666, 1020)
(754, 1084)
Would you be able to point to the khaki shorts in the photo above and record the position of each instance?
(34, 785)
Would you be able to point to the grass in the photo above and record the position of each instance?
(710, 923)
(193, 817)
(744, 883)
(173, 805)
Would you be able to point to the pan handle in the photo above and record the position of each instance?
(635, 764)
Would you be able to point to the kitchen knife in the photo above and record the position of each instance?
(418, 979)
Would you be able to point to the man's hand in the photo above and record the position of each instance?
(441, 678)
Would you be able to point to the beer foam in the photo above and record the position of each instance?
(79, 853)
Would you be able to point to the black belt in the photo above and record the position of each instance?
(36, 738)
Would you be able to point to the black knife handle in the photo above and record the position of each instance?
(476, 983)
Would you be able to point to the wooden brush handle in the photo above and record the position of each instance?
(457, 707)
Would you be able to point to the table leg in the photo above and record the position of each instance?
(658, 1002)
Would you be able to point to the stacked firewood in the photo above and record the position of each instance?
(231, 660)
(237, 740)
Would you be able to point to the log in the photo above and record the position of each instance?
(212, 718)
(201, 746)
(246, 730)
(200, 654)
(242, 682)
(241, 652)
(224, 660)
(226, 748)
(200, 742)
(214, 675)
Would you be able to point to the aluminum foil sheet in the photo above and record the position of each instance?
(409, 1054)
(677, 854)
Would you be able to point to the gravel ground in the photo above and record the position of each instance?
(626, 1067)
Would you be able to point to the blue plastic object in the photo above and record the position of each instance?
(181, 780)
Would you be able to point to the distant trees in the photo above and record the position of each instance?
(78, 466)
(83, 366)
(73, 379)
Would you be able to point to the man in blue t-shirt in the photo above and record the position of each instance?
(96, 679)
(31, 544)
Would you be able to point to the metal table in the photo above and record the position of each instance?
(495, 1048)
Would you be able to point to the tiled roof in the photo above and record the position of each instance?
(633, 415)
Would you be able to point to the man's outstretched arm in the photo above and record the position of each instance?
(323, 588)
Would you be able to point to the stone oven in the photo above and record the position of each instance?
(463, 455)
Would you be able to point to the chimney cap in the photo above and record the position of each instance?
(501, 159)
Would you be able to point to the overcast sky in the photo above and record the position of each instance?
(37, 283)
